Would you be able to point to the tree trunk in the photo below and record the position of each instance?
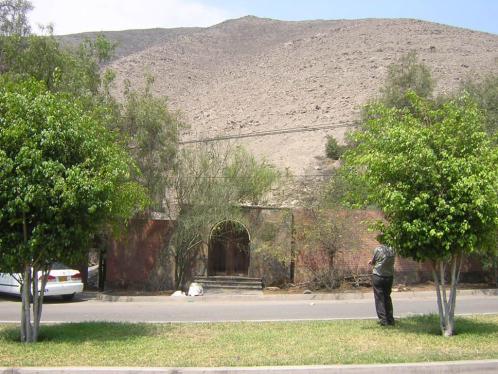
(495, 270)
(32, 293)
(35, 296)
(447, 303)
(438, 296)
(26, 328)
(178, 272)
(38, 301)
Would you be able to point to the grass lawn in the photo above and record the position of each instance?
(414, 339)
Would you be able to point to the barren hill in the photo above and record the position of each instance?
(257, 75)
(130, 41)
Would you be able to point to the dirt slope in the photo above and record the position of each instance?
(257, 75)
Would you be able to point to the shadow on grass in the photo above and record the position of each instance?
(88, 331)
(429, 325)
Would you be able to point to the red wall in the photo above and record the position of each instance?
(354, 260)
(132, 260)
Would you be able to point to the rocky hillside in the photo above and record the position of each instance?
(253, 75)
(130, 41)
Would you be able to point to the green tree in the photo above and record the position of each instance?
(210, 184)
(62, 176)
(14, 17)
(407, 74)
(144, 122)
(485, 93)
(75, 72)
(432, 171)
(152, 133)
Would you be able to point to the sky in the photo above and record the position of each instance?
(73, 16)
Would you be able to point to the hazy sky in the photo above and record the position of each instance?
(72, 16)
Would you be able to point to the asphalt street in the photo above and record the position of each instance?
(167, 309)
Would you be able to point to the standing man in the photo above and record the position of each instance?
(382, 281)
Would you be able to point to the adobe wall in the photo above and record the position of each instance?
(137, 261)
(279, 250)
(352, 260)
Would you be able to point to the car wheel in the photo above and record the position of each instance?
(68, 297)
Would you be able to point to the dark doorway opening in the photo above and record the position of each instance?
(228, 249)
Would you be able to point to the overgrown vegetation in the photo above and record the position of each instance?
(210, 184)
(13, 17)
(485, 94)
(328, 230)
(272, 248)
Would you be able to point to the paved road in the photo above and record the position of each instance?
(202, 310)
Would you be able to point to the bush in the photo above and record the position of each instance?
(332, 149)
(408, 73)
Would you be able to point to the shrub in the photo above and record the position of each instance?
(332, 149)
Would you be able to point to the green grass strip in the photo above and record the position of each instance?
(414, 339)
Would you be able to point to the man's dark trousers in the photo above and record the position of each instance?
(383, 304)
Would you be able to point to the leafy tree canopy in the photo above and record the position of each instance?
(61, 172)
(76, 72)
(62, 176)
(432, 171)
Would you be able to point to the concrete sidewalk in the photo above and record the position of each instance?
(104, 296)
(471, 367)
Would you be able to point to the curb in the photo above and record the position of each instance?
(484, 366)
(278, 297)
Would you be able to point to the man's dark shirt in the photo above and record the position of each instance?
(383, 261)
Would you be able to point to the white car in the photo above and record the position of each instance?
(62, 281)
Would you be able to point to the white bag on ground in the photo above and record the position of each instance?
(178, 293)
(195, 289)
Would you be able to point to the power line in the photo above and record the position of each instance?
(243, 177)
(270, 132)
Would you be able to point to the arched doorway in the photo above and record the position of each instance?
(228, 252)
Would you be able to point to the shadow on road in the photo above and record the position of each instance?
(46, 299)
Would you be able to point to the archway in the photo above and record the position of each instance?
(228, 252)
